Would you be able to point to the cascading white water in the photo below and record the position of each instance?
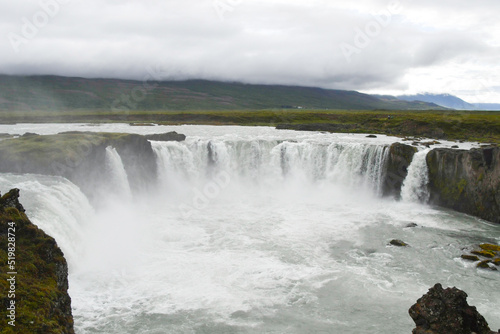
(414, 187)
(55, 205)
(266, 162)
(358, 163)
(255, 230)
(118, 179)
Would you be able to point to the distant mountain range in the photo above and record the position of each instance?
(449, 101)
(64, 93)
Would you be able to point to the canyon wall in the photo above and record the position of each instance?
(467, 181)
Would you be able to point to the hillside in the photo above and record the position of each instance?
(443, 100)
(63, 93)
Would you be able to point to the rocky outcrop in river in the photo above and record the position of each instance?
(398, 161)
(81, 157)
(35, 281)
(466, 181)
(446, 311)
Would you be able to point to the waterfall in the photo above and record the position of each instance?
(254, 230)
(353, 165)
(358, 165)
(56, 205)
(414, 187)
(118, 179)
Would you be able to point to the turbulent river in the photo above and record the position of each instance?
(255, 230)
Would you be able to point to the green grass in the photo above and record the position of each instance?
(481, 126)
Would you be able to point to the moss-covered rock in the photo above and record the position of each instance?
(484, 253)
(490, 247)
(80, 157)
(42, 304)
(470, 257)
(484, 264)
(466, 180)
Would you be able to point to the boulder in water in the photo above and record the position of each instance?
(486, 265)
(470, 257)
(398, 243)
(484, 253)
(443, 311)
(487, 256)
(490, 247)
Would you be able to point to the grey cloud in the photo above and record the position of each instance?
(294, 42)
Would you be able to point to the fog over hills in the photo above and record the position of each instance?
(372, 46)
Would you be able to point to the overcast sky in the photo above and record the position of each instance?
(373, 46)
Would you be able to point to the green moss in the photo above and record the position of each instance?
(38, 296)
(481, 177)
(451, 191)
(14, 214)
(485, 253)
(490, 247)
(483, 264)
(461, 186)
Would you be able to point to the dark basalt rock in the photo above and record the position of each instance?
(42, 303)
(399, 159)
(398, 243)
(11, 200)
(466, 180)
(169, 136)
(445, 311)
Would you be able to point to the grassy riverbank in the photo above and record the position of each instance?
(481, 126)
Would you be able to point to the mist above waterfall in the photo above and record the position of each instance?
(254, 230)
